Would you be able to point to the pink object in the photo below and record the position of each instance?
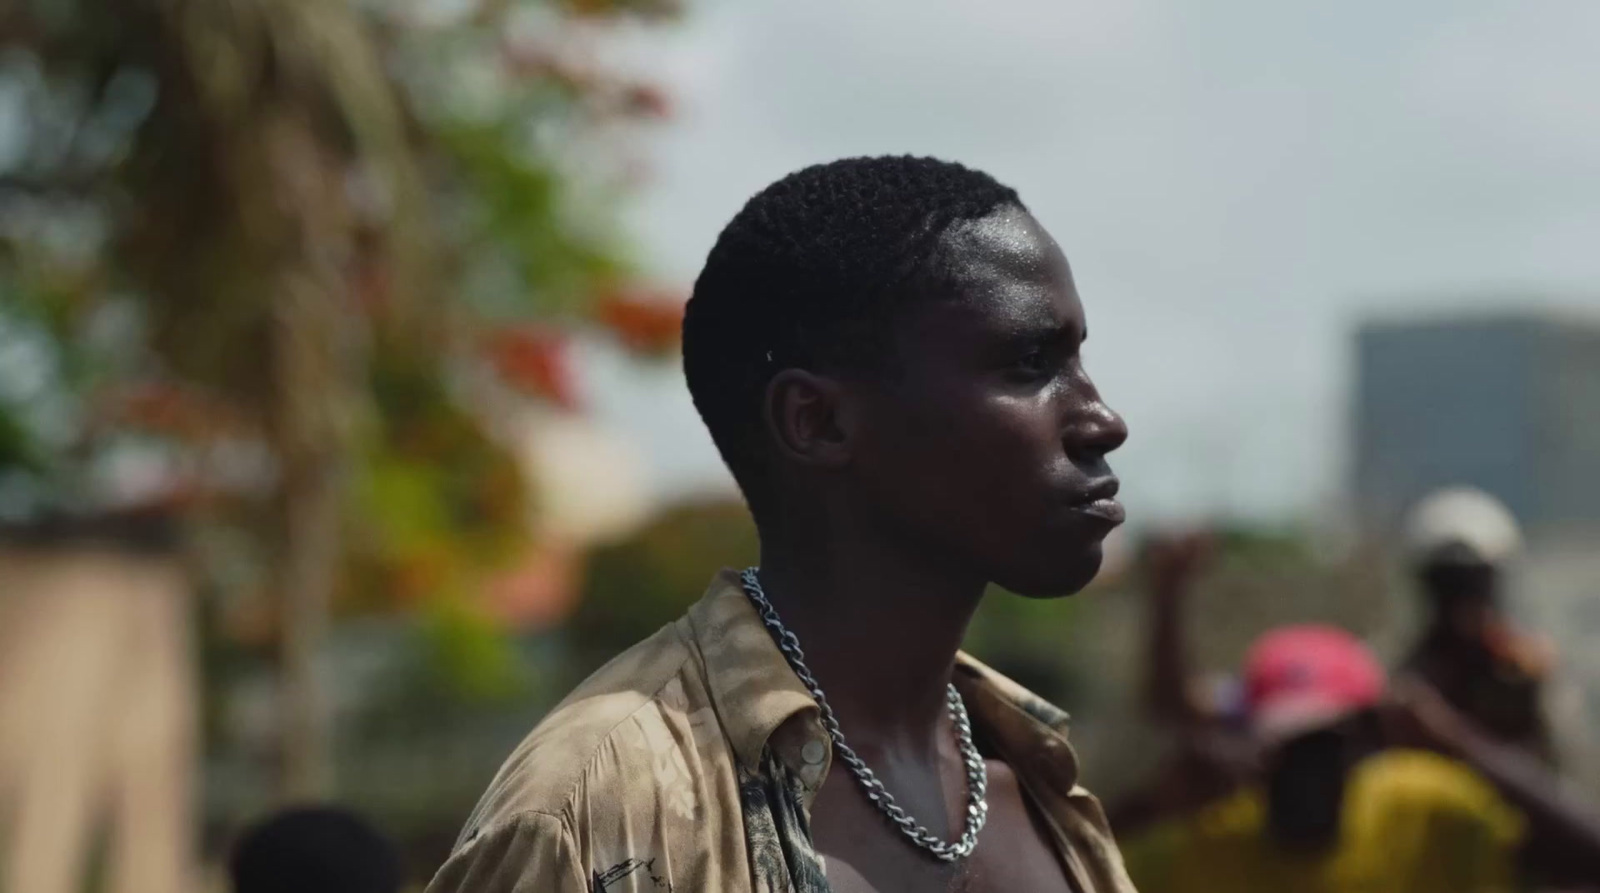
(1300, 677)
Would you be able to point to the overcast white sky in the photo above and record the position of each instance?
(1236, 182)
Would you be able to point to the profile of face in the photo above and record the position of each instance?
(986, 445)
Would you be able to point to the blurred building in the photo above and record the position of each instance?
(1508, 403)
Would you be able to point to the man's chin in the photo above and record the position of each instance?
(1063, 576)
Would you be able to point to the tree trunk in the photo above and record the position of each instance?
(316, 355)
(305, 577)
(272, 110)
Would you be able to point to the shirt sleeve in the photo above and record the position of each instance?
(531, 853)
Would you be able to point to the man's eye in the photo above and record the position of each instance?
(1033, 365)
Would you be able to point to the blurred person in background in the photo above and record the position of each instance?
(1307, 775)
(1330, 809)
(1459, 543)
(315, 849)
(887, 353)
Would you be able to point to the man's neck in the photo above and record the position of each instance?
(880, 633)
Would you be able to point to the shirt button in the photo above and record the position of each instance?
(814, 752)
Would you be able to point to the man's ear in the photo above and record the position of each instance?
(808, 419)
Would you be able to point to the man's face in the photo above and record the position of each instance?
(986, 447)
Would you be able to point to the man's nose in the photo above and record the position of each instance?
(1098, 430)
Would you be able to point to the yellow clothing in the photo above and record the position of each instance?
(689, 763)
(1414, 822)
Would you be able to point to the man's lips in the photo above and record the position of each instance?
(1100, 501)
(1107, 510)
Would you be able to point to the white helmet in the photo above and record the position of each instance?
(1462, 524)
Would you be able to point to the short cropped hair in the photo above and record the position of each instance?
(811, 274)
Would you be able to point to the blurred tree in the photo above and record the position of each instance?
(275, 265)
(639, 585)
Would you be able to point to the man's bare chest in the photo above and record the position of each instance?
(993, 875)
(1015, 852)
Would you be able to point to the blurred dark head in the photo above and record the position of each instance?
(1306, 779)
(890, 346)
(1462, 593)
(315, 849)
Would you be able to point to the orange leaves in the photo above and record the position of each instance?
(536, 61)
(540, 592)
(646, 100)
(580, 75)
(646, 321)
(174, 410)
(536, 361)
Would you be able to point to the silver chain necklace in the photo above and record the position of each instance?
(977, 774)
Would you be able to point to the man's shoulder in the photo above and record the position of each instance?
(1423, 781)
(601, 736)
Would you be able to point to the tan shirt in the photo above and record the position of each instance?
(689, 764)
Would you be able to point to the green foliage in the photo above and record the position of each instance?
(522, 222)
(20, 450)
(23, 450)
(55, 351)
(472, 653)
(437, 505)
(645, 582)
(1030, 640)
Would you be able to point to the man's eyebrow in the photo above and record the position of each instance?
(1038, 330)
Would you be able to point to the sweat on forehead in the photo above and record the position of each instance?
(811, 272)
(1006, 248)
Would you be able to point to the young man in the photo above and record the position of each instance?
(887, 353)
